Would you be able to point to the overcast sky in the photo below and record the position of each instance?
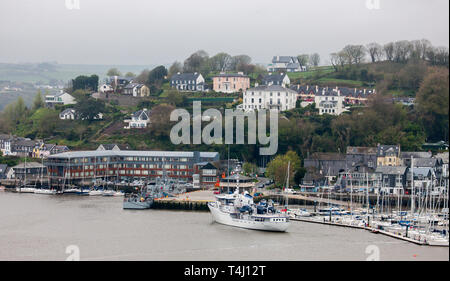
(150, 32)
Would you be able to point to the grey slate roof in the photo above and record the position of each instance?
(391, 170)
(3, 168)
(132, 153)
(230, 75)
(284, 59)
(361, 150)
(29, 165)
(388, 150)
(273, 88)
(425, 162)
(273, 78)
(415, 154)
(185, 76)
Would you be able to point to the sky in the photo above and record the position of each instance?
(152, 32)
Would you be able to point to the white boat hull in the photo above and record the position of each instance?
(226, 219)
(45, 191)
(26, 190)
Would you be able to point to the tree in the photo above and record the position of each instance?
(433, 104)
(314, 59)
(175, 68)
(277, 168)
(355, 53)
(402, 51)
(250, 168)
(38, 101)
(196, 62)
(220, 62)
(389, 51)
(160, 120)
(85, 83)
(375, 51)
(241, 63)
(130, 75)
(113, 72)
(88, 108)
(175, 98)
(303, 60)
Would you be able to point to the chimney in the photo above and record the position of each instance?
(307, 87)
(364, 91)
(317, 88)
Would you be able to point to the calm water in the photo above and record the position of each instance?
(40, 227)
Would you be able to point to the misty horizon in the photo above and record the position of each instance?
(160, 32)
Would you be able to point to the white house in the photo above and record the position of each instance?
(276, 79)
(59, 98)
(329, 102)
(105, 88)
(71, 114)
(138, 120)
(68, 114)
(269, 97)
(285, 63)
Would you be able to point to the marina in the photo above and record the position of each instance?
(41, 227)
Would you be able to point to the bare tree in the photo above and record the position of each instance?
(355, 53)
(303, 60)
(375, 51)
(389, 51)
(402, 51)
(314, 59)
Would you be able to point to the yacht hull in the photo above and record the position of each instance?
(226, 219)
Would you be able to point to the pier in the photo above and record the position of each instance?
(399, 236)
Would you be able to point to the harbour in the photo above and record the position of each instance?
(41, 227)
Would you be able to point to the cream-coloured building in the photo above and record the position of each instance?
(269, 97)
(329, 102)
(389, 155)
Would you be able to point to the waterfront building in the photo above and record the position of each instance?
(229, 184)
(44, 150)
(269, 97)
(392, 179)
(207, 174)
(125, 164)
(231, 82)
(30, 171)
(3, 168)
(113, 146)
(388, 155)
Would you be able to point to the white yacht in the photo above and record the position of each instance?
(239, 210)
